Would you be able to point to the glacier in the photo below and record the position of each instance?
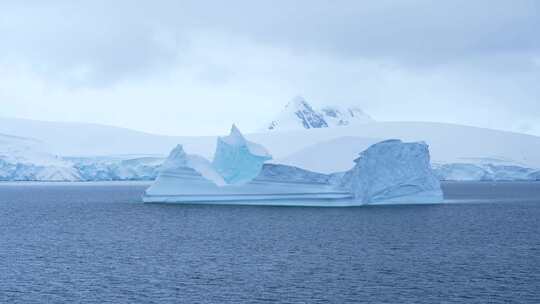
(116, 168)
(387, 172)
(25, 159)
(485, 172)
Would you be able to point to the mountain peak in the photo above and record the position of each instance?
(298, 103)
(299, 114)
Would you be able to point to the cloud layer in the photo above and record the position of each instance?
(193, 67)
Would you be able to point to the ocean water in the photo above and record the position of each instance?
(96, 243)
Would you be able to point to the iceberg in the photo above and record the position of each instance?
(186, 178)
(394, 172)
(238, 160)
(388, 172)
(535, 176)
(182, 174)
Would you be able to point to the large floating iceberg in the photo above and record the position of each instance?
(388, 172)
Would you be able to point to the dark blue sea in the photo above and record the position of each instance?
(97, 243)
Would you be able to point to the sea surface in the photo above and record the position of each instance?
(97, 243)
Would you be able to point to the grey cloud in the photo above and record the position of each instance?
(115, 40)
(420, 59)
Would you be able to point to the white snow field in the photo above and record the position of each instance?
(388, 172)
(83, 139)
(448, 143)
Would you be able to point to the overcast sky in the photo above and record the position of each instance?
(194, 67)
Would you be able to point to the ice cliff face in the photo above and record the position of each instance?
(23, 159)
(484, 172)
(299, 114)
(394, 171)
(117, 168)
(238, 160)
(284, 173)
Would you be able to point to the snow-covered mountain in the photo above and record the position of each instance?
(299, 114)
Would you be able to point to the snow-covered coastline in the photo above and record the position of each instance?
(50, 151)
(23, 159)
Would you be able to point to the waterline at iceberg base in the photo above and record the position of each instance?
(389, 172)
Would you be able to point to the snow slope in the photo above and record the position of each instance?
(342, 149)
(448, 143)
(82, 139)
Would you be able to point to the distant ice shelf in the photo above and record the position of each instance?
(482, 171)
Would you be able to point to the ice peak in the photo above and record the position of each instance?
(177, 158)
(298, 103)
(332, 111)
(235, 137)
(238, 160)
(178, 149)
(298, 113)
(355, 111)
